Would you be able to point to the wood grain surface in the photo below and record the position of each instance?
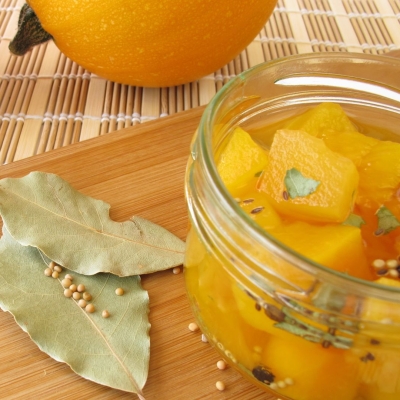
(139, 171)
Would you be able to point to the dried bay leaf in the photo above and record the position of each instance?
(44, 211)
(112, 351)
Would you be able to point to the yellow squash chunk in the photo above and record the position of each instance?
(315, 373)
(353, 145)
(379, 174)
(337, 177)
(257, 206)
(241, 160)
(321, 120)
(338, 247)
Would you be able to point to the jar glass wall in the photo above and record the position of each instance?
(288, 324)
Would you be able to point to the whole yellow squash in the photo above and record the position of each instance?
(147, 42)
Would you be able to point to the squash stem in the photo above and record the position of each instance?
(30, 32)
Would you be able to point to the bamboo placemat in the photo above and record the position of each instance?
(47, 101)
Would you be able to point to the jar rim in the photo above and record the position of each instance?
(363, 287)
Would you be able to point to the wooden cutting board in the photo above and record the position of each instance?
(139, 171)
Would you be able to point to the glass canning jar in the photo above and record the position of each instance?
(290, 325)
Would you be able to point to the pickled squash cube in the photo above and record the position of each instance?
(257, 206)
(335, 177)
(379, 174)
(240, 160)
(315, 372)
(339, 247)
(322, 119)
(353, 145)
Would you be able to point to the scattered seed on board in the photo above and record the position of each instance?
(55, 274)
(220, 385)
(119, 291)
(68, 293)
(66, 282)
(221, 364)
(176, 270)
(193, 327)
(82, 303)
(105, 314)
(48, 271)
(90, 308)
(87, 296)
(204, 338)
(76, 295)
(81, 288)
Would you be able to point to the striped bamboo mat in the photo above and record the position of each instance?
(47, 101)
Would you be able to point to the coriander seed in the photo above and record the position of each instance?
(105, 314)
(70, 277)
(55, 274)
(220, 385)
(176, 270)
(57, 268)
(119, 291)
(48, 272)
(68, 293)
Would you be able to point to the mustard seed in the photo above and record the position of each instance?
(70, 277)
(55, 274)
(66, 282)
(393, 273)
(221, 364)
(289, 381)
(67, 293)
(273, 386)
(87, 296)
(176, 270)
(90, 308)
(378, 263)
(82, 303)
(81, 288)
(48, 272)
(119, 291)
(220, 385)
(57, 268)
(392, 264)
(105, 314)
(52, 264)
(76, 295)
(193, 327)
(73, 287)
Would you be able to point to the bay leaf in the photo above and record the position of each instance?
(111, 351)
(45, 211)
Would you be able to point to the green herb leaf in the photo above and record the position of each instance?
(111, 351)
(298, 185)
(387, 222)
(75, 230)
(354, 220)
